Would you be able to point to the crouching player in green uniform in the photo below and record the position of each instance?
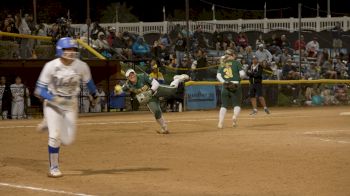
(230, 73)
(147, 90)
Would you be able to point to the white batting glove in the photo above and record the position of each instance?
(61, 101)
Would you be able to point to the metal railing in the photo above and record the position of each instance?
(265, 25)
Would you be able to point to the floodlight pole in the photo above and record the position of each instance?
(299, 35)
(329, 8)
(213, 9)
(34, 10)
(187, 26)
(88, 20)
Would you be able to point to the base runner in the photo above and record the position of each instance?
(59, 85)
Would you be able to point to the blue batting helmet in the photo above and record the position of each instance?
(63, 43)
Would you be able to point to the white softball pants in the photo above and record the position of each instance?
(61, 125)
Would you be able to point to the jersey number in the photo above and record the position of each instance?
(228, 72)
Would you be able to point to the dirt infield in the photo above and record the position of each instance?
(292, 152)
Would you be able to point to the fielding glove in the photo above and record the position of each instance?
(144, 97)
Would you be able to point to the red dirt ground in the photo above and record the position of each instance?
(292, 152)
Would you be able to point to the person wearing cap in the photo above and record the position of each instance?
(156, 74)
(255, 72)
(102, 45)
(140, 48)
(263, 54)
(229, 74)
(148, 90)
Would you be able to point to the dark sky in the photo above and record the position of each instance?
(78, 7)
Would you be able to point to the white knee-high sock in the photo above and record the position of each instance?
(175, 83)
(236, 111)
(222, 114)
(162, 122)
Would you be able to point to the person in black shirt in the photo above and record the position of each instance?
(255, 71)
(5, 99)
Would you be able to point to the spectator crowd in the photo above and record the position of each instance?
(198, 54)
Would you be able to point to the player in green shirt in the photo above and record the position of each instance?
(148, 90)
(229, 73)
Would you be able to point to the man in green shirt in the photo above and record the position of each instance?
(230, 73)
(148, 90)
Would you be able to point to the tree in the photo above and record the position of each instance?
(179, 14)
(109, 15)
(46, 13)
(205, 15)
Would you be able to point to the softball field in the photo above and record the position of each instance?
(292, 152)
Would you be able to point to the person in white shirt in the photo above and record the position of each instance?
(312, 47)
(19, 95)
(59, 86)
(101, 101)
(262, 54)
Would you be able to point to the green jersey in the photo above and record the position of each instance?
(230, 70)
(144, 82)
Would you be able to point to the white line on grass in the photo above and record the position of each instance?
(42, 189)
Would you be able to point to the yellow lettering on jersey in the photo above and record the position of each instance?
(228, 72)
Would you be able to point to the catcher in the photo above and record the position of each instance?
(230, 73)
(147, 91)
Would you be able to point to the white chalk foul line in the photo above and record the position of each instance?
(152, 121)
(337, 141)
(324, 131)
(42, 189)
(327, 132)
